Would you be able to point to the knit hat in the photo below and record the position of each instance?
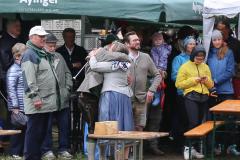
(187, 40)
(216, 34)
(198, 49)
(109, 39)
(51, 38)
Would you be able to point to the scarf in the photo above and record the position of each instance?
(40, 52)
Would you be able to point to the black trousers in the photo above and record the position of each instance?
(195, 112)
(36, 132)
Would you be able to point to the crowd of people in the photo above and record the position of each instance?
(120, 83)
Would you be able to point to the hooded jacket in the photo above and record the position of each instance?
(186, 78)
(222, 70)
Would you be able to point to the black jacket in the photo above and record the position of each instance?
(78, 55)
(6, 58)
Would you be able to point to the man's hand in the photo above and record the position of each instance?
(129, 79)
(77, 65)
(149, 98)
(37, 104)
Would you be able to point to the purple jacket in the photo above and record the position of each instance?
(160, 56)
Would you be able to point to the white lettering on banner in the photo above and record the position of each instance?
(45, 3)
(197, 7)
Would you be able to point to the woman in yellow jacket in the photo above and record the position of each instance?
(194, 78)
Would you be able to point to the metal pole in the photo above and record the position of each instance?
(75, 77)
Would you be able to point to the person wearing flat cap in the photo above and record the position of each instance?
(222, 65)
(194, 78)
(40, 91)
(63, 114)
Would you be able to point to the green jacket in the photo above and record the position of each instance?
(65, 79)
(40, 80)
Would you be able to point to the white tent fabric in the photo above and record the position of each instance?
(211, 8)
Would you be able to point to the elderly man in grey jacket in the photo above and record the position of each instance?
(41, 91)
(142, 67)
(63, 114)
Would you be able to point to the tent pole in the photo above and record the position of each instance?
(83, 25)
(238, 29)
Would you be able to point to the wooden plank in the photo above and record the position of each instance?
(131, 135)
(228, 106)
(9, 132)
(202, 129)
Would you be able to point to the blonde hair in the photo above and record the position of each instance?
(18, 49)
(222, 51)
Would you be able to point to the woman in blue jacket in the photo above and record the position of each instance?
(221, 63)
(15, 90)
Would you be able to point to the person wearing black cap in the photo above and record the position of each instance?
(63, 113)
(194, 78)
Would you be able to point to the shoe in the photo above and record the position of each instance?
(48, 156)
(232, 149)
(218, 150)
(186, 153)
(156, 151)
(196, 154)
(16, 157)
(64, 155)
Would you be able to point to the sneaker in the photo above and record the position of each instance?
(16, 157)
(232, 149)
(196, 154)
(48, 156)
(64, 155)
(186, 153)
(218, 150)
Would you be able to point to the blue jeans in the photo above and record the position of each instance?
(63, 122)
(35, 133)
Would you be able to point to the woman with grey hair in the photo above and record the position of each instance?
(15, 90)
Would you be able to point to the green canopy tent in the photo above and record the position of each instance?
(125, 9)
(148, 10)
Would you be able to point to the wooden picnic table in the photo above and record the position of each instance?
(124, 137)
(9, 132)
(227, 107)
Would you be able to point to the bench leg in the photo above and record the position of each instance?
(190, 148)
(204, 147)
(141, 150)
(213, 137)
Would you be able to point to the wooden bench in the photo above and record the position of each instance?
(201, 132)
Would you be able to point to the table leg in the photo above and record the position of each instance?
(141, 150)
(213, 137)
(135, 150)
(91, 148)
(123, 150)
